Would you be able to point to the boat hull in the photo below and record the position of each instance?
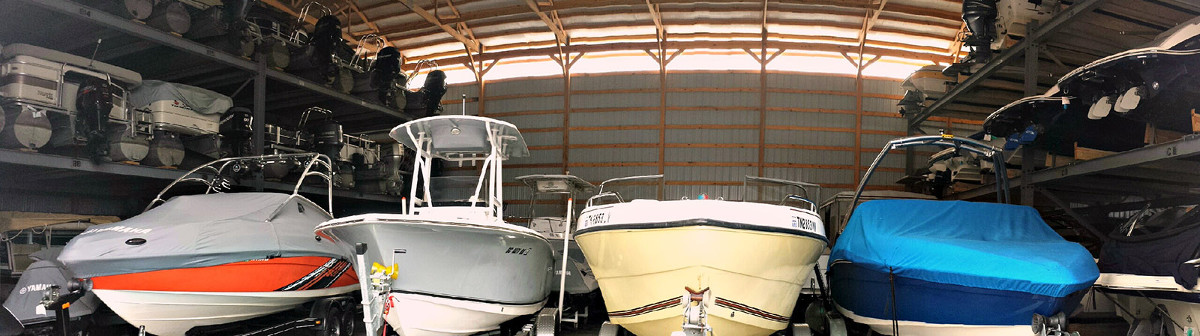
(580, 278)
(928, 308)
(427, 315)
(468, 273)
(643, 273)
(172, 301)
(1140, 294)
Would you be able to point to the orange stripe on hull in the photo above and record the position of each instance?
(246, 276)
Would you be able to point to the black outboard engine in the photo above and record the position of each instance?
(237, 125)
(980, 17)
(388, 80)
(95, 103)
(328, 140)
(434, 89)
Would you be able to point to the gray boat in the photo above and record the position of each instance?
(449, 264)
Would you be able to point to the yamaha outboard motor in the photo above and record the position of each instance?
(328, 140)
(388, 79)
(95, 103)
(980, 18)
(434, 89)
(237, 125)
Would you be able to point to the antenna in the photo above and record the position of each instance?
(96, 50)
(464, 104)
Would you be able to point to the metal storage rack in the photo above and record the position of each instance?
(210, 60)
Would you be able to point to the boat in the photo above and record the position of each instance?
(572, 278)
(449, 264)
(1148, 268)
(1109, 104)
(926, 267)
(695, 266)
(184, 118)
(996, 25)
(51, 98)
(217, 257)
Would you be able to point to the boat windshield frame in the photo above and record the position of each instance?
(209, 174)
(576, 185)
(804, 186)
(947, 141)
(503, 140)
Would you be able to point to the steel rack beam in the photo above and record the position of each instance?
(1050, 27)
(16, 157)
(1188, 146)
(105, 19)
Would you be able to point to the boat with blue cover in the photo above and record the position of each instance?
(925, 267)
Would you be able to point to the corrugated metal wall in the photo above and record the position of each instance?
(710, 138)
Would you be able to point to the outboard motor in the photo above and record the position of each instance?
(389, 79)
(433, 90)
(95, 103)
(980, 16)
(238, 126)
(328, 139)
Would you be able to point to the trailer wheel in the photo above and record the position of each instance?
(336, 316)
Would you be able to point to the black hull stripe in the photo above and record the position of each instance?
(452, 297)
(701, 222)
(730, 304)
(653, 307)
(320, 278)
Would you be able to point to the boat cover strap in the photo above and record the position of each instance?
(982, 245)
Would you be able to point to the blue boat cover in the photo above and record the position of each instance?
(982, 245)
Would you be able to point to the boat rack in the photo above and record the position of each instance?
(58, 166)
(1159, 175)
(176, 59)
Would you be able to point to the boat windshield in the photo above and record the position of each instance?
(454, 191)
(754, 189)
(1153, 222)
(782, 192)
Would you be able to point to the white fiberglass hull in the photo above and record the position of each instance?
(166, 313)
(1140, 294)
(456, 276)
(884, 327)
(424, 315)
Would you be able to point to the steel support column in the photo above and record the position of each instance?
(1028, 153)
(260, 116)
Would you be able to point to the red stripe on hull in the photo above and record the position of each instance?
(246, 276)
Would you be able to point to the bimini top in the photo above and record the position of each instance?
(556, 183)
(981, 245)
(460, 137)
(118, 73)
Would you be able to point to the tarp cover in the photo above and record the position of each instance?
(199, 231)
(982, 245)
(200, 100)
(1158, 254)
(25, 298)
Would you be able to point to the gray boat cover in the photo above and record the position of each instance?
(200, 231)
(25, 299)
(118, 73)
(200, 100)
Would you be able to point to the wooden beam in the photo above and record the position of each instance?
(551, 20)
(471, 45)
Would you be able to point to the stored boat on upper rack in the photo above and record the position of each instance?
(454, 267)
(996, 25)
(697, 266)
(218, 257)
(923, 267)
(55, 98)
(1149, 268)
(1144, 86)
(184, 118)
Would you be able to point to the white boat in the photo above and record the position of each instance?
(1148, 268)
(697, 266)
(449, 264)
(557, 229)
(215, 258)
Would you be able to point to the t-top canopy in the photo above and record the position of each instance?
(459, 137)
(556, 183)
